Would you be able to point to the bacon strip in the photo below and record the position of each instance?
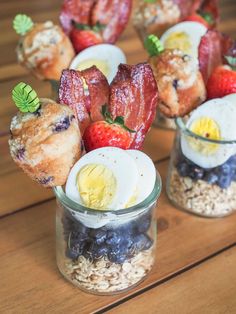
(134, 96)
(98, 91)
(77, 10)
(71, 93)
(210, 53)
(114, 14)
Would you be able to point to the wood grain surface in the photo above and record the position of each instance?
(195, 257)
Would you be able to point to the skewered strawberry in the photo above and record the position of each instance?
(222, 82)
(83, 36)
(107, 133)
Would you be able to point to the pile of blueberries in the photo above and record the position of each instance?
(117, 244)
(222, 175)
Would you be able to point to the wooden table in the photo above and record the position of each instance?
(195, 270)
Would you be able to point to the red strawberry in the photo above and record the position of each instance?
(222, 82)
(107, 133)
(204, 18)
(82, 39)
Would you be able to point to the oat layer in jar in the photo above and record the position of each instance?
(105, 252)
(202, 170)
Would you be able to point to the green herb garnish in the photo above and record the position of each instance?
(153, 45)
(22, 24)
(25, 98)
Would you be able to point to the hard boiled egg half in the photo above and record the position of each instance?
(110, 178)
(213, 120)
(105, 57)
(185, 36)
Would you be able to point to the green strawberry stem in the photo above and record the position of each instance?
(150, 1)
(118, 120)
(208, 17)
(22, 24)
(25, 98)
(85, 27)
(153, 45)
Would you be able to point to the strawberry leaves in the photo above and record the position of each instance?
(119, 120)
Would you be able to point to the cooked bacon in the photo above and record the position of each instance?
(98, 92)
(210, 53)
(134, 96)
(114, 14)
(71, 93)
(77, 10)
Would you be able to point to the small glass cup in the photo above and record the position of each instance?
(207, 192)
(105, 252)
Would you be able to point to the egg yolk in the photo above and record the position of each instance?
(179, 40)
(208, 128)
(97, 186)
(100, 64)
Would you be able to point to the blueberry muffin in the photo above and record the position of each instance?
(45, 50)
(46, 143)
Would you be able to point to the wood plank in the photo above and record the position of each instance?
(207, 289)
(157, 145)
(27, 244)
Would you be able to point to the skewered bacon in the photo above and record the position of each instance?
(85, 104)
(113, 15)
(134, 96)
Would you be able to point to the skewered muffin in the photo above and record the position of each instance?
(44, 49)
(46, 143)
(179, 81)
(155, 18)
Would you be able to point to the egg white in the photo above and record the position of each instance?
(223, 113)
(119, 162)
(194, 30)
(146, 174)
(111, 54)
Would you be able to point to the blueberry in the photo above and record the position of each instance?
(101, 250)
(116, 255)
(113, 237)
(224, 181)
(225, 168)
(232, 162)
(211, 178)
(62, 125)
(183, 169)
(99, 235)
(142, 242)
(76, 250)
(144, 223)
(20, 153)
(46, 180)
(196, 173)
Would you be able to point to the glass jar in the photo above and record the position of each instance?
(105, 252)
(205, 191)
(163, 122)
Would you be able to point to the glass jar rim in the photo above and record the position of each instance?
(182, 127)
(76, 207)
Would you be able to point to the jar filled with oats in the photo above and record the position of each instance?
(105, 252)
(106, 222)
(202, 170)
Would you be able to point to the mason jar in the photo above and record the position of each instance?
(208, 191)
(105, 252)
